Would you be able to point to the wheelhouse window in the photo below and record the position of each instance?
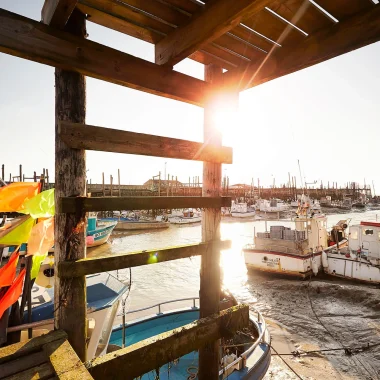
(368, 232)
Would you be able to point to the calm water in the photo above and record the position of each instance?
(350, 310)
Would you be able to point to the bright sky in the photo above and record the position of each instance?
(327, 116)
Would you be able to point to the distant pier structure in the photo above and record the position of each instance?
(169, 185)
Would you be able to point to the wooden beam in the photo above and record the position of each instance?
(345, 36)
(56, 13)
(209, 23)
(26, 38)
(149, 354)
(134, 259)
(75, 204)
(69, 229)
(80, 136)
(209, 294)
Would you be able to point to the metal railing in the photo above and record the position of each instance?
(163, 303)
(262, 327)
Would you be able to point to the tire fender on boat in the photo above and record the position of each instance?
(325, 262)
(314, 266)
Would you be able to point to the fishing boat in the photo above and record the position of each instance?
(274, 206)
(242, 210)
(133, 224)
(104, 294)
(188, 216)
(247, 356)
(360, 260)
(296, 252)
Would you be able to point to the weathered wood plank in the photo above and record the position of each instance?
(26, 38)
(22, 363)
(69, 229)
(209, 293)
(134, 259)
(209, 23)
(72, 204)
(154, 352)
(17, 350)
(65, 361)
(41, 372)
(350, 34)
(56, 13)
(80, 136)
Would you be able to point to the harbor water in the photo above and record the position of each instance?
(317, 314)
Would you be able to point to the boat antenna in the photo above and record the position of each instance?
(299, 168)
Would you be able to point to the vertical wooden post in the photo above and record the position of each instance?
(118, 180)
(70, 180)
(111, 183)
(159, 184)
(103, 185)
(20, 171)
(2, 172)
(210, 266)
(47, 179)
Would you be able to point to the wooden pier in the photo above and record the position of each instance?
(242, 44)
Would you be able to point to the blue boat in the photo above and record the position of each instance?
(245, 361)
(98, 232)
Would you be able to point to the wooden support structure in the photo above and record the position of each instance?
(70, 229)
(71, 204)
(53, 47)
(45, 357)
(113, 140)
(133, 259)
(216, 19)
(57, 12)
(355, 32)
(154, 352)
(209, 294)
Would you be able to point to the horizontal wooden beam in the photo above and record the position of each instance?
(26, 38)
(56, 13)
(80, 136)
(340, 38)
(152, 353)
(74, 204)
(214, 20)
(91, 265)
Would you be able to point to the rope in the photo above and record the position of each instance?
(192, 375)
(286, 363)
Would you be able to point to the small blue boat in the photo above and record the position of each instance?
(98, 232)
(249, 360)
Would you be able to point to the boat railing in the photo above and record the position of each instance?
(262, 327)
(159, 305)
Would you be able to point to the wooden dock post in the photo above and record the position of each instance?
(118, 181)
(111, 183)
(70, 229)
(20, 173)
(2, 172)
(210, 266)
(103, 185)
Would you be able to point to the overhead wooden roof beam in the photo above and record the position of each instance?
(26, 38)
(57, 12)
(209, 23)
(350, 34)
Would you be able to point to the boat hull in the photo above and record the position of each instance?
(243, 214)
(351, 268)
(100, 235)
(291, 264)
(184, 220)
(134, 226)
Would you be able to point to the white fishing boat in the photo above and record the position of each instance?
(360, 260)
(242, 210)
(274, 206)
(296, 251)
(189, 216)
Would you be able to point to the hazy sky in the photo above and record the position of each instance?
(327, 116)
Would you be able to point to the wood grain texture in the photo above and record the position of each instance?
(56, 13)
(133, 259)
(206, 25)
(152, 353)
(209, 293)
(70, 173)
(29, 39)
(80, 136)
(73, 204)
(353, 33)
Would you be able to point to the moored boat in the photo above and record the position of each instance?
(360, 260)
(295, 252)
(130, 224)
(247, 357)
(189, 216)
(242, 210)
(274, 206)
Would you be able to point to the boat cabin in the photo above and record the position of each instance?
(364, 238)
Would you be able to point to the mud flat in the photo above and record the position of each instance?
(345, 315)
